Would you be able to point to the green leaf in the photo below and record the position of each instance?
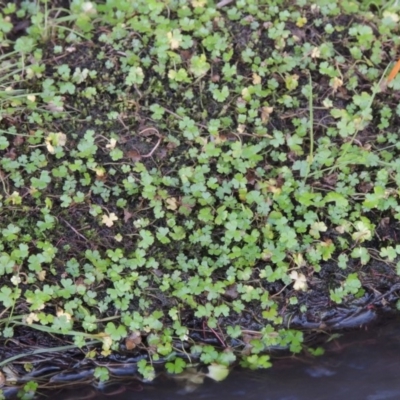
(234, 331)
(337, 295)
(62, 323)
(42, 182)
(67, 87)
(256, 361)
(176, 367)
(221, 95)
(116, 333)
(362, 254)
(147, 239)
(179, 76)
(199, 65)
(4, 143)
(388, 252)
(337, 198)
(352, 283)
(102, 374)
(135, 76)
(24, 44)
(6, 296)
(147, 370)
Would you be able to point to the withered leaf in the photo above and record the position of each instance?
(134, 155)
(18, 140)
(127, 215)
(133, 340)
(250, 176)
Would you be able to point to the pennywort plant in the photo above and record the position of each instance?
(178, 175)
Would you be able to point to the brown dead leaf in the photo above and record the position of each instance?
(18, 140)
(171, 145)
(161, 153)
(220, 139)
(133, 340)
(134, 155)
(343, 93)
(127, 215)
(231, 292)
(331, 179)
(280, 181)
(384, 223)
(326, 243)
(11, 154)
(185, 55)
(231, 137)
(364, 187)
(250, 176)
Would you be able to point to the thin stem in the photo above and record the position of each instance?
(40, 351)
(311, 128)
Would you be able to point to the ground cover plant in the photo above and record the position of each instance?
(190, 182)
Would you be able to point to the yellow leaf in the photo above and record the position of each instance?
(31, 318)
(61, 312)
(315, 53)
(199, 3)
(50, 147)
(172, 203)
(241, 128)
(41, 275)
(363, 232)
(173, 38)
(300, 281)
(327, 103)
(265, 113)
(112, 144)
(16, 280)
(100, 171)
(256, 79)
(301, 22)
(109, 219)
(392, 15)
(246, 94)
(107, 343)
(336, 83)
(299, 259)
(61, 139)
(88, 8)
(14, 198)
(55, 139)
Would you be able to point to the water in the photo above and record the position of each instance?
(360, 365)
